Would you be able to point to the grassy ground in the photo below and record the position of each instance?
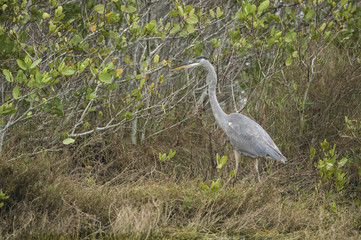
(134, 195)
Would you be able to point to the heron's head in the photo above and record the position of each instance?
(192, 63)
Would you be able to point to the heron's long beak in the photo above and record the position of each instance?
(188, 64)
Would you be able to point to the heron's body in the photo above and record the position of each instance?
(247, 136)
(250, 139)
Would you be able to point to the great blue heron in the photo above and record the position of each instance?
(247, 136)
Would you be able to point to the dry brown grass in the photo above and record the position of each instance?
(47, 201)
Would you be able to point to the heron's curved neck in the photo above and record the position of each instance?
(219, 114)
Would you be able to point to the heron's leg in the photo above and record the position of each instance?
(256, 167)
(236, 156)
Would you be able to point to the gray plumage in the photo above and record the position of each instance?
(247, 136)
(250, 139)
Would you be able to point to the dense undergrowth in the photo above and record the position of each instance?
(58, 195)
(105, 187)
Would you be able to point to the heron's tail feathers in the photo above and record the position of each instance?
(276, 155)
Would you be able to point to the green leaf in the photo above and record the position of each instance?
(58, 11)
(219, 12)
(93, 70)
(175, 29)
(128, 115)
(35, 63)
(323, 26)
(8, 75)
(264, 5)
(324, 145)
(46, 15)
(7, 109)
(139, 96)
(290, 36)
(180, 10)
(16, 92)
(171, 153)
(211, 12)
(232, 173)
(342, 162)
(127, 60)
(289, 61)
(156, 59)
(343, 2)
(67, 71)
(221, 161)
(310, 14)
(215, 185)
(138, 76)
(333, 207)
(27, 60)
(91, 96)
(21, 64)
(252, 9)
(204, 186)
(278, 34)
(38, 77)
(141, 83)
(312, 152)
(131, 9)
(68, 141)
(150, 26)
(174, 13)
(99, 8)
(183, 33)
(76, 39)
(192, 19)
(105, 77)
(224, 160)
(3, 195)
(190, 28)
(188, 8)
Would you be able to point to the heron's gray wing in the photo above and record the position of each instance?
(250, 139)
